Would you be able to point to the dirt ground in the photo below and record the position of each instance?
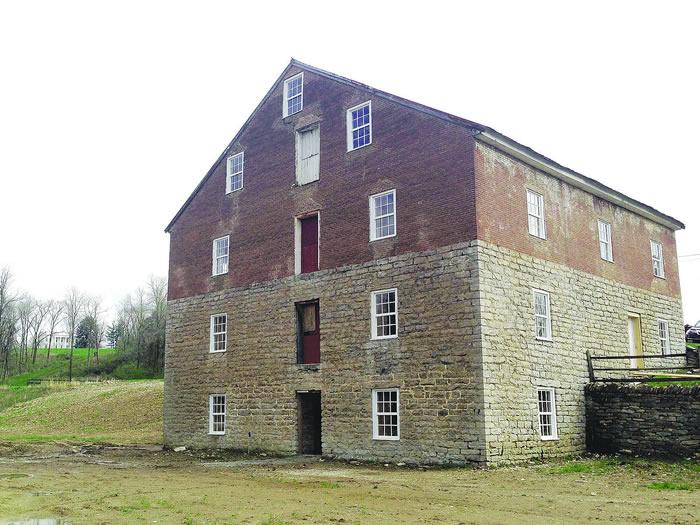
(94, 484)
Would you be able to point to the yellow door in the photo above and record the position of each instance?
(634, 328)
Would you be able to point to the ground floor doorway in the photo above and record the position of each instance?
(309, 422)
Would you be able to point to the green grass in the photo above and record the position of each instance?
(591, 466)
(669, 485)
(687, 384)
(119, 412)
(112, 365)
(59, 363)
(13, 395)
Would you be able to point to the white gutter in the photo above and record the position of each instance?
(507, 146)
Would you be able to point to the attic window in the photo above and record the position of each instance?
(359, 126)
(293, 95)
(234, 172)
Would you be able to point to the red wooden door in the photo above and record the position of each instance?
(309, 318)
(309, 244)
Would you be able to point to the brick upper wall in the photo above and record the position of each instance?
(427, 160)
(571, 219)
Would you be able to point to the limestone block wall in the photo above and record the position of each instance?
(435, 361)
(643, 420)
(588, 313)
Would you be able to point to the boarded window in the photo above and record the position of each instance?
(308, 155)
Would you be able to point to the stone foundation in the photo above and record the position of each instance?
(466, 360)
(435, 362)
(588, 313)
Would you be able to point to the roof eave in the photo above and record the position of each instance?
(534, 159)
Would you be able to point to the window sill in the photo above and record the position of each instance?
(544, 339)
(385, 438)
(312, 367)
(298, 184)
(553, 438)
(360, 147)
(382, 238)
(660, 277)
(217, 351)
(537, 236)
(384, 338)
(218, 274)
(217, 433)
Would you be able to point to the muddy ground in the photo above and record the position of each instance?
(95, 484)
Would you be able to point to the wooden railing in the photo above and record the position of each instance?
(641, 374)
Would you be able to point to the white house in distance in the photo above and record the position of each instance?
(60, 340)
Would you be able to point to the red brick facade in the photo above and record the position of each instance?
(571, 217)
(450, 188)
(427, 160)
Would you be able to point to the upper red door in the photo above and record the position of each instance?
(309, 244)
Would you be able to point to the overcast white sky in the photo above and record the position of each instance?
(111, 112)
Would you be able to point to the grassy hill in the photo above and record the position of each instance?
(112, 364)
(117, 412)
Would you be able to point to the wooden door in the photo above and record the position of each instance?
(634, 332)
(310, 351)
(309, 244)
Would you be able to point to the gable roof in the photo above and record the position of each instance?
(482, 133)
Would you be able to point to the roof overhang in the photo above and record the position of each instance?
(542, 163)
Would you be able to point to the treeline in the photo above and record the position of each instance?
(28, 324)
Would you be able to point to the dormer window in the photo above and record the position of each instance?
(293, 100)
(234, 172)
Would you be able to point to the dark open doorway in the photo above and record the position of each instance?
(309, 422)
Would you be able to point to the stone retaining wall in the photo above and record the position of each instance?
(658, 421)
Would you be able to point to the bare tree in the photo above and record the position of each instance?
(25, 311)
(8, 320)
(73, 304)
(94, 311)
(39, 313)
(55, 314)
(158, 299)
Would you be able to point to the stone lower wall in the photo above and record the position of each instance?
(588, 313)
(661, 421)
(435, 362)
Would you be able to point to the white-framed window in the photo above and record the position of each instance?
(657, 259)
(217, 332)
(308, 146)
(543, 317)
(385, 414)
(217, 414)
(382, 215)
(605, 240)
(664, 337)
(359, 125)
(547, 413)
(219, 256)
(535, 214)
(293, 101)
(234, 172)
(385, 314)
